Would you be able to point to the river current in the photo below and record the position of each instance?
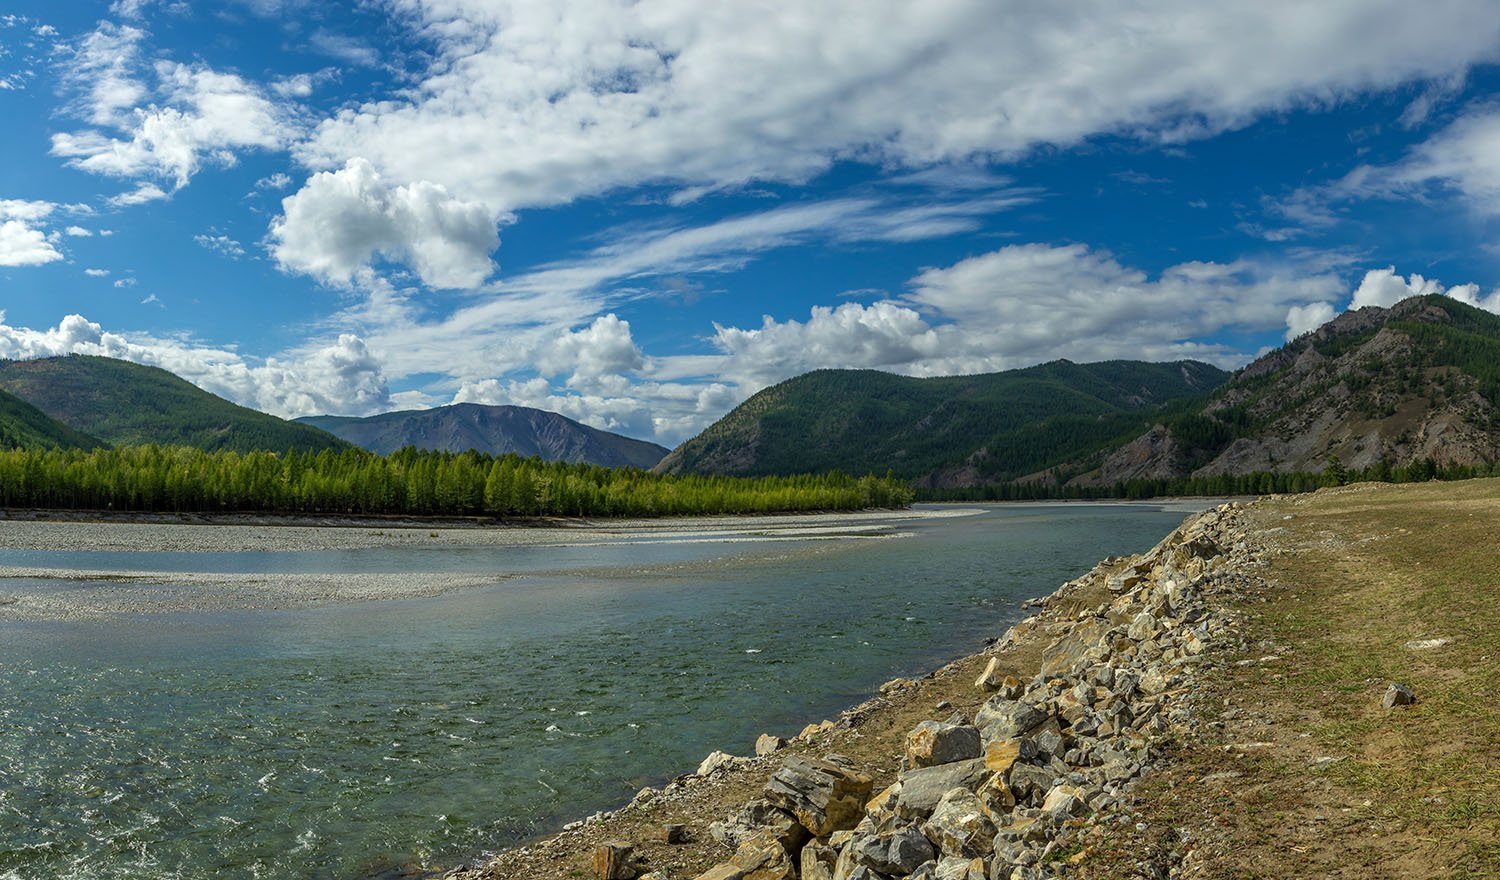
(350, 740)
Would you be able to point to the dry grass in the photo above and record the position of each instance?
(1302, 773)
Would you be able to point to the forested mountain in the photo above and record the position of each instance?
(23, 426)
(123, 403)
(1412, 385)
(493, 430)
(943, 431)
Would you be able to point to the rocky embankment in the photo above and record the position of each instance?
(1019, 787)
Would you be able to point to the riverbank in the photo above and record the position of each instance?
(1190, 756)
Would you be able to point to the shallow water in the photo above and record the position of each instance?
(337, 741)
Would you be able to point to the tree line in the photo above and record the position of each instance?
(409, 482)
(1257, 483)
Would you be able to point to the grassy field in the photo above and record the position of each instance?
(1302, 772)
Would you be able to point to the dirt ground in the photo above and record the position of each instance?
(1303, 773)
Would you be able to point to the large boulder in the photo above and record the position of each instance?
(818, 861)
(824, 796)
(959, 826)
(897, 852)
(922, 788)
(934, 742)
(1000, 718)
(755, 817)
(762, 857)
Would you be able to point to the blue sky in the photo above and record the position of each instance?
(640, 214)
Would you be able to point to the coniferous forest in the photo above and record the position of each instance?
(409, 482)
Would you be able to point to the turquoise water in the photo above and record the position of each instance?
(341, 741)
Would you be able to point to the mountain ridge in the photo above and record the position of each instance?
(937, 430)
(124, 403)
(495, 430)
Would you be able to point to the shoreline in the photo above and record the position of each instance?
(869, 739)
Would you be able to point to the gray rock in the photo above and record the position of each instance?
(1030, 783)
(897, 852)
(934, 742)
(824, 796)
(1000, 718)
(959, 826)
(818, 861)
(757, 816)
(1398, 695)
(923, 788)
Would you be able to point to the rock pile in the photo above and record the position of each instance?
(995, 796)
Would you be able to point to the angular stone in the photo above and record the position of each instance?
(615, 860)
(818, 861)
(996, 799)
(959, 826)
(1398, 695)
(923, 788)
(897, 852)
(813, 730)
(762, 857)
(824, 796)
(956, 868)
(725, 871)
(1064, 801)
(1030, 783)
(716, 761)
(672, 833)
(933, 742)
(1144, 626)
(881, 808)
(765, 744)
(991, 678)
(754, 817)
(1001, 718)
(1001, 754)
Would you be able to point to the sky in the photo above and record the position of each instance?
(639, 214)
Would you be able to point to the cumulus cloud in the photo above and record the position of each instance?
(23, 245)
(342, 220)
(203, 118)
(1307, 318)
(1385, 288)
(341, 376)
(603, 350)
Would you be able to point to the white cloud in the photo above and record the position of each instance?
(146, 192)
(96, 273)
(204, 117)
(23, 245)
(589, 357)
(1307, 318)
(125, 282)
(342, 220)
(339, 376)
(153, 300)
(534, 104)
(1385, 288)
(279, 180)
(77, 232)
(221, 244)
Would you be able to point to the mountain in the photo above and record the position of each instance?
(1376, 387)
(126, 404)
(493, 429)
(26, 427)
(942, 431)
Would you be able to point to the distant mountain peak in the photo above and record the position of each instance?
(492, 429)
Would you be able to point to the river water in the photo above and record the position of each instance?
(343, 741)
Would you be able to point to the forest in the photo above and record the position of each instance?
(1221, 485)
(409, 482)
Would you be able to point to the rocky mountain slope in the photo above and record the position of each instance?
(124, 404)
(1376, 387)
(24, 426)
(496, 430)
(952, 430)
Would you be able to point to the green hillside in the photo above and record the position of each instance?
(940, 430)
(23, 426)
(128, 404)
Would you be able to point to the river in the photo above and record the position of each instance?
(348, 739)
